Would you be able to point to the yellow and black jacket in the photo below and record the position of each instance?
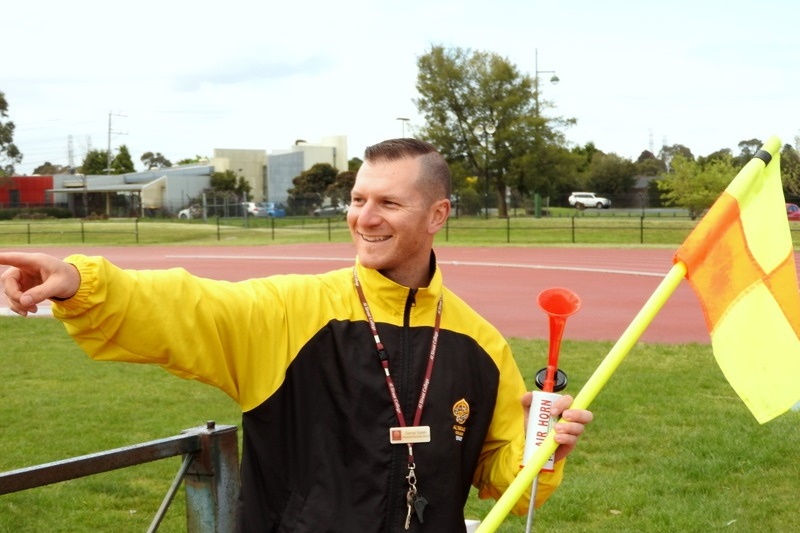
(297, 354)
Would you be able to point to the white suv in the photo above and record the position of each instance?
(582, 200)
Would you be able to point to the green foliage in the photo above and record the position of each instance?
(122, 162)
(354, 164)
(153, 161)
(8, 150)
(695, 186)
(747, 149)
(667, 153)
(229, 184)
(192, 160)
(611, 174)
(649, 165)
(790, 170)
(311, 188)
(469, 202)
(339, 190)
(243, 188)
(37, 213)
(223, 181)
(462, 90)
(95, 162)
(49, 169)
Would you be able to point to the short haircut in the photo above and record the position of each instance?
(434, 173)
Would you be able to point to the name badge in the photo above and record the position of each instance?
(410, 434)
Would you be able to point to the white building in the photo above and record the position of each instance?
(285, 165)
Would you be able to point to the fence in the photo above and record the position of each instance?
(210, 472)
(615, 229)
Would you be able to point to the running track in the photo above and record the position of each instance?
(500, 283)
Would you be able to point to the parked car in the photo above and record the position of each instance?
(328, 211)
(253, 209)
(582, 200)
(271, 209)
(793, 212)
(193, 211)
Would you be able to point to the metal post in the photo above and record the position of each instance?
(486, 174)
(212, 481)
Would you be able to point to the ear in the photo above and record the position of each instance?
(439, 212)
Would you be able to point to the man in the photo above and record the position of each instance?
(373, 397)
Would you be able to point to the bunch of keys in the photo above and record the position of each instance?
(413, 500)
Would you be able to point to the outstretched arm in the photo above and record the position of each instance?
(33, 278)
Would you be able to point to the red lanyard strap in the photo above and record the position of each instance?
(384, 357)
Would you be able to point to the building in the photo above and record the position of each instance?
(136, 194)
(249, 164)
(166, 191)
(25, 191)
(285, 165)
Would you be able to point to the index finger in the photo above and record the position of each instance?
(19, 259)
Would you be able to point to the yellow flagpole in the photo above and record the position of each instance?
(585, 397)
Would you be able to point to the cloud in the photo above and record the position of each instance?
(251, 71)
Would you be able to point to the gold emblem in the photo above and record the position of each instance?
(461, 411)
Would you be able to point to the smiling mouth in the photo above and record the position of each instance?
(374, 238)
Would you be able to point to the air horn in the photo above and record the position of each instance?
(559, 303)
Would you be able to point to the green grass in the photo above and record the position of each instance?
(671, 449)
(584, 228)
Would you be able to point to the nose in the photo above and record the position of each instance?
(367, 214)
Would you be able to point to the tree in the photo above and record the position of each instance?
(153, 161)
(339, 191)
(649, 165)
(122, 162)
(229, 182)
(228, 185)
(668, 152)
(196, 160)
(310, 187)
(48, 169)
(95, 162)
(747, 149)
(611, 174)
(694, 186)
(461, 90)
(8, 150)
(790, 169)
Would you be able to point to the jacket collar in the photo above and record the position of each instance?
(391, 297)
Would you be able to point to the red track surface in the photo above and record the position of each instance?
(500, 283)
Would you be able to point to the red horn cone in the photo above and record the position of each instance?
(559, 303)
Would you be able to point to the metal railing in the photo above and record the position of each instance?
(614, 228)
(209, 471)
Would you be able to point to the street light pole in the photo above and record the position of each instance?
(554, 80)
(537, 116)
(403, 121)
(484, 130)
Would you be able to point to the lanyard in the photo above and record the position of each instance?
(384, 357)
(414, 501)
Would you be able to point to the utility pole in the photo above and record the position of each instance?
(110, 131)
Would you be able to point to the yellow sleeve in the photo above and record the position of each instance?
(207, 330)
(501, 458)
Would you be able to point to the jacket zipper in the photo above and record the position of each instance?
(400, 457)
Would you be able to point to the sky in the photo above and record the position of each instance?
(183, 78)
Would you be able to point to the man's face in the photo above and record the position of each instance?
(392, 222)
